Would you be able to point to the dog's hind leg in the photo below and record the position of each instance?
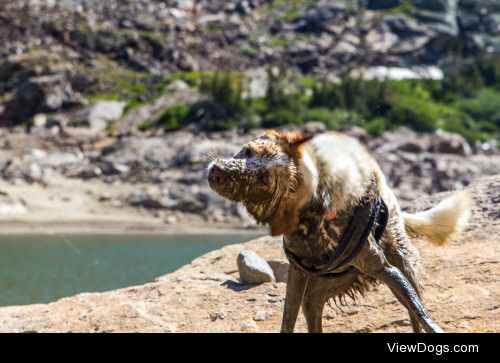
(415, 324)
(295, 288)
(410, 277)
(313, 304)
(371, 260)
(414, 321)
(401, 254)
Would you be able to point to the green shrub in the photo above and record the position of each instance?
(377, 126)
(192, 78)
(280, 117)
(279, 94)
(469, 131)
(321, 114)
(341, 118)
(412, 113)
(146, 125)
(458, 103)
(484, 106)
(131, 105)
(278, 42)
(173, 117)
(226, 92)
(221, 124)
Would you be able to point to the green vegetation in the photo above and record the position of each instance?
(405, 8)
(278, 42)
(114, 82)
(111, 127)
(290, 15)
(466, 101)
(173, 117)
(192, 78)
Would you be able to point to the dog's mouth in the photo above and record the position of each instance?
(255, 188)
(218, 181)
(216, 177)
(223, 184)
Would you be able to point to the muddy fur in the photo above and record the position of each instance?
(307, 189)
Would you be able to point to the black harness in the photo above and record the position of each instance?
(365, 218)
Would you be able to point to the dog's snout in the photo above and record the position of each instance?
(216, 175)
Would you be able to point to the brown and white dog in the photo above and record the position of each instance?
(280, 176)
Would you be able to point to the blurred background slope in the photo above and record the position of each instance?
(129, 98)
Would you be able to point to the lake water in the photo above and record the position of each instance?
(41, 269)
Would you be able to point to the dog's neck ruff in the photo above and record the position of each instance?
(370, 216)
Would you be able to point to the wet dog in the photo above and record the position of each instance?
(325, 194)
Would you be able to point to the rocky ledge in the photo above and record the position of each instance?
(461, 291)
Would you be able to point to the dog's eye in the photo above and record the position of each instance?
(244, 153)
(247, 153)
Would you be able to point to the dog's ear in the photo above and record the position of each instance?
(292, 139)
(292, 142)
(295, 139)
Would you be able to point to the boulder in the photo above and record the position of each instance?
(404, 27)
(280, 269)
(253, 269)
(433, 5)
(313, 127)
(143, 198)
(39, 95)
(10, 205)
(102, 112)
(382, 4)
(88, 172)
(304, 55)
(416, 145)
(320, 17)
(34, 173)
(262, 315)
(190, 204)
(449, 143)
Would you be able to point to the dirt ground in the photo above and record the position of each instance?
(461, 291)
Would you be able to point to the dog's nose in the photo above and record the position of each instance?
(216, 175)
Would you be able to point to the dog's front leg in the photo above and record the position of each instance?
(296, 285)
(371, 260)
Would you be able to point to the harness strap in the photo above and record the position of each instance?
(351, 243)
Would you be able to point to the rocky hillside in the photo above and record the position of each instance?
(159, 181)
(61, 55)
(461, 291)
(168, 35)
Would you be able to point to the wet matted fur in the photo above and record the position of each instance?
(307, 187)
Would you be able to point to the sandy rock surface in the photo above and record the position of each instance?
(461, 291)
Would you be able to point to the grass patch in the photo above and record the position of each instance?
(278, 42)
(173, 117)
(116, 83)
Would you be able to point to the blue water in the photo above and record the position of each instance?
(41, 269)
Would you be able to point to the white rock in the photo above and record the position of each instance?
(253, 269)
(37, 153)
(104, 111)
(261, 315)
(249, 326)
(11, 206)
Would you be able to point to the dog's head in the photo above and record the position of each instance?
(264, 176)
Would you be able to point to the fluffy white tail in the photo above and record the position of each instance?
(441, 222)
